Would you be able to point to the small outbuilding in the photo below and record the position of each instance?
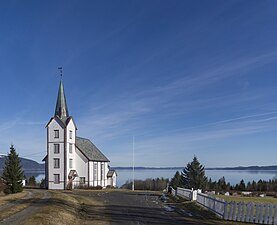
(111, 176)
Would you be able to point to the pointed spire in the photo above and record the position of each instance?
(61, 106)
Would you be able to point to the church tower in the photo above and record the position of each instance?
(61, 138)
(72, 161)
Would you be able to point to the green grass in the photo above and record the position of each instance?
(259, 200)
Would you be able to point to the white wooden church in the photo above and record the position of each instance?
(72, 161)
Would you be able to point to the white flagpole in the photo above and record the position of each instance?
(133, 185)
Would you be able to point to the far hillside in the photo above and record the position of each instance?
(27, 164)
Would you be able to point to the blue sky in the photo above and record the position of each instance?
(184, 77)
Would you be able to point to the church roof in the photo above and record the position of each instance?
(90, 150)
(63, 123)
(61, 107)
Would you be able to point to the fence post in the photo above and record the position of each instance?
(231, 211)
(239, 210)
(235, 212)
(225, 213)
(247, 212)
(257, 213)
(261, 213)
(251, 213)
(242, 212)
(275, 215)
(270, 214)
(266, 214)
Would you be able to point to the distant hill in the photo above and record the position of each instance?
(146, 168)
(274, 167)
(245, 168)
(27, 164)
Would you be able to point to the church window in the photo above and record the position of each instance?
(95, 171)
(56, 163)
(102, 171)
(70, 163)
(82, 180)
(70, 134)
(56, 148)
(56, 133)
(56, 178)
(70, 148)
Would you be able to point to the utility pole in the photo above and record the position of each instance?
(133, 185)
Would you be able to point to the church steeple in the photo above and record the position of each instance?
(61, 106)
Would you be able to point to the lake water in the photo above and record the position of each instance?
(232, 176)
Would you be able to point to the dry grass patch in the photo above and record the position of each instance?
(18, 207)
(59, 210)
(62, 208)
(4, 199)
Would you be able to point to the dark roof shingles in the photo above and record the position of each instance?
(90, 150)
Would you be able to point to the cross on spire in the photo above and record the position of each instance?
(61, 71)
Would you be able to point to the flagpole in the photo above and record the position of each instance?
(133, 185)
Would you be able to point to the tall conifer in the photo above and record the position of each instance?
(193, 175)
(12, 173)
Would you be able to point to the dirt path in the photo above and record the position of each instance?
(127, 208)
(34, 204)
(106, 207)
(15, 202)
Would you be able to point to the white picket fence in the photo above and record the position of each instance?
(242, 212)
(251, 212)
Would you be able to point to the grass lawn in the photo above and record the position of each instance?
(265, 200)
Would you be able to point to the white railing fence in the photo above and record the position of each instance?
(173, 191)
(187, 193)
(184, 193)
(233, 211)
(213, 204)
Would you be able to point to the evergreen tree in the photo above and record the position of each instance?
(193, 175)
(32, 181)
(42, 183)
(254, 186)
(241, 186)
(222, 184)
(12, 173)
(176, 181)
(210, 185)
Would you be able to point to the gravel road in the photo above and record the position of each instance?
(130, 208)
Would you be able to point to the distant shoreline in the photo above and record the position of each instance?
(248, 168)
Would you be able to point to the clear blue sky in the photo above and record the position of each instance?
(184, 77)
